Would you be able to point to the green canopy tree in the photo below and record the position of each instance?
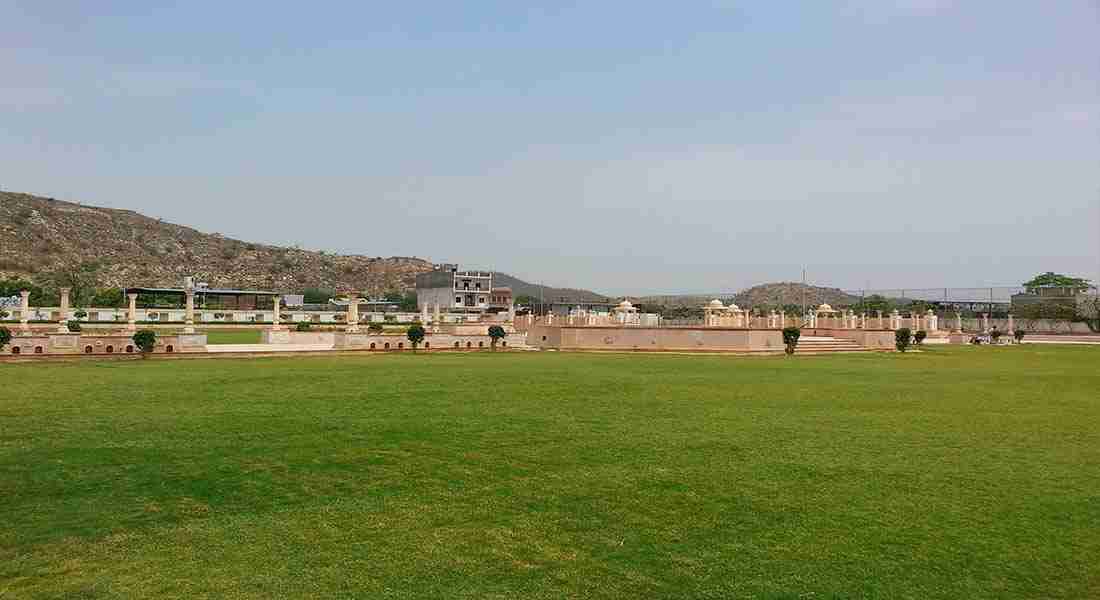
(415, 335)
(5, 337)
(1052, 279)
(145, 340)
(496, 333)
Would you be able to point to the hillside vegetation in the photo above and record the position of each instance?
(50, 241)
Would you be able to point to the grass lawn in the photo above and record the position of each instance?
(954, 473)
(233, 336)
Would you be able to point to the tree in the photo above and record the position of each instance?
(1019, 335)
(496, 333)
(415, 335)
(375, 328)
(12, 287)
(73, 325)
(108, 298)
(80, 314)
(5, 337)
(902, 338)
(145, 340)
(303, 326)
(1052, 279)
(317, 295)
(790, 339)
(918, 337)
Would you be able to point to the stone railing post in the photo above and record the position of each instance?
(353, 315)
(189, 311)
(131, 313)
(63, 311)
(24, 310)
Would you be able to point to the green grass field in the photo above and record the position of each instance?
(953, 473)
(233, 336)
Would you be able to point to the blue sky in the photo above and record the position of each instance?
(624, 147)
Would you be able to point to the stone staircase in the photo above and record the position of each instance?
(824, 345)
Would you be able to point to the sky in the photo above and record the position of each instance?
(625, 147)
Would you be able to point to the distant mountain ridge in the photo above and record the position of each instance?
(765, 294)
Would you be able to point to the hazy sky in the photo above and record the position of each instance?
(628, 147)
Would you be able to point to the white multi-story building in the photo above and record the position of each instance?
(453, 290)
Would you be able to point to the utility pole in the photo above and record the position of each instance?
(803, 291)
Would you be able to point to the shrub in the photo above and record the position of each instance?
(145, 340)
(73, 325)
(415, 335)
(375, 328)
(5, 337)
(3, 315)
(1019, 335)
(790, 339)
(902, 338)
(918, 337)
(303, 326)
(995, 335)
(80, 314)
(496, 333)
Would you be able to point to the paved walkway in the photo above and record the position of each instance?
(267, 347)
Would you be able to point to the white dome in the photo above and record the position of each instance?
(716, 303)
(733, 306)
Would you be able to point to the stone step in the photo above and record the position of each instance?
(215, 348)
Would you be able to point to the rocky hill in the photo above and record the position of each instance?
(548, 294)
(47, 240)
(764, 295)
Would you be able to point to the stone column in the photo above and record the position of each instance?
(958, 322)
(915, 323)
(437, 321)
(353, 315)
(24, 310)
(189, 311)
(985, 322)
(63, 311)
(131, 313)
(1011, 325)
(276, 313)
(424, 314)
(931, 321)
(863, 320)
(783, 320)
(895, 320)
(878, 315)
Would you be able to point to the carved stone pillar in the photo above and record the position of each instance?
(24, 310)
(131, 313)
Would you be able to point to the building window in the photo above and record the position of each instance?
(129, 349)
(427, 344)
(469, 345)
(481, 344)
(17, 349)
(372, 346)
(386, 346)
(458, 299)
(110, 349)
(38, 349)
(87, 349)
(456, 345)
(169, 348)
